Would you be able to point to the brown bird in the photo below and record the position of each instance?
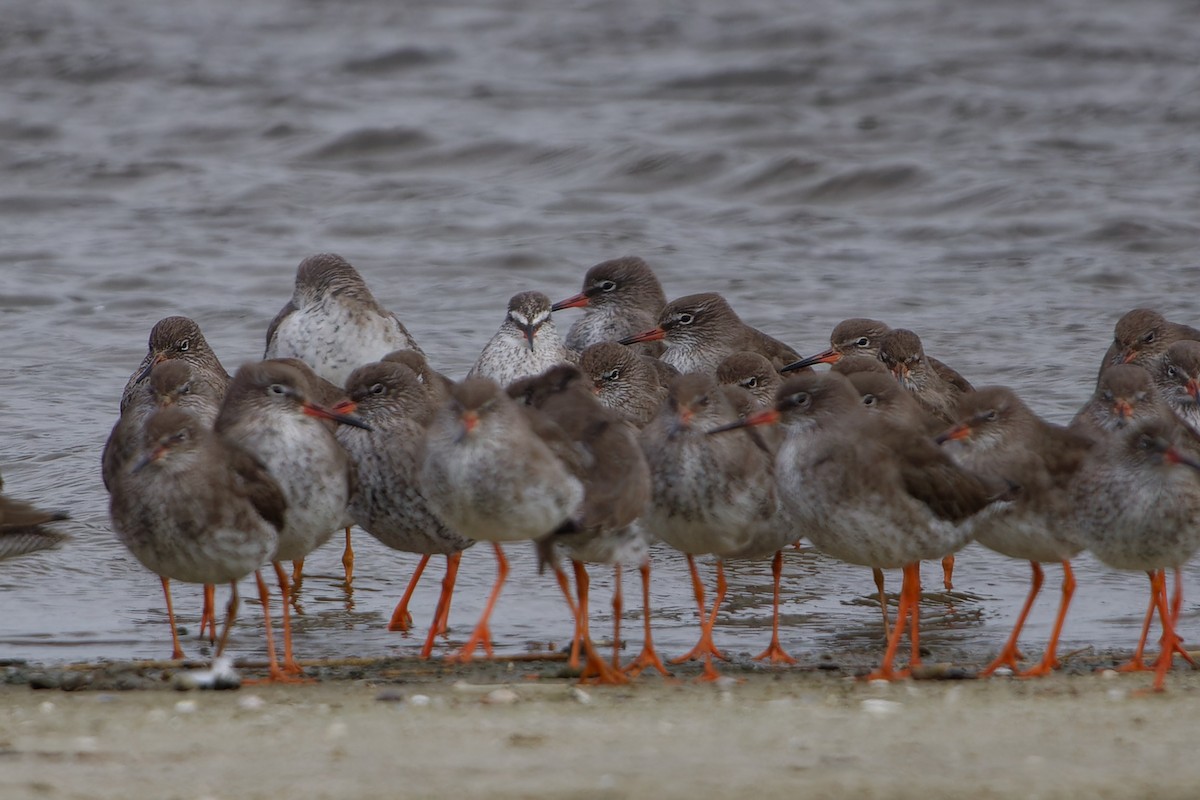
(177, 338)
(1137, 501)
(188, 373)
(620, 297)
(936, 389)
(196, 508)
(700, 330)
(616, 484)
(389, 503)
(752, 372)
(23, 528)
(171, 383)
(935, 386)
(1125, 395)
(881, 395)
(999, 437)
(1177, 376)
(866, 491)
(333, 322)
(437, 386)
(526, 344)
(269, 412)
(850, 337)
(1141, 336)
(712, 495)
(625, 381)
(489, 477)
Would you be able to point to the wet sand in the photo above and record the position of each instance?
(519, 730)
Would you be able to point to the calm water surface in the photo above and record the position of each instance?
(1006, 179)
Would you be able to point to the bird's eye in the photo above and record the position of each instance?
(607, 286)
(182, 345)
(1149, 337)
(868, 400)
(377, 388)
(277, 388)
(686, 319)
(801, 399)
(1107, 396)
(612, 375)
(1172, 372)
(751, 383)
(991, 416)
(703, 400)
(185, 389)
(862, 341)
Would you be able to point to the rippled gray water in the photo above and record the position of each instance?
(1006, 179)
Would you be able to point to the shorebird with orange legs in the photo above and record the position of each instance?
(867, 491)
(711, 495)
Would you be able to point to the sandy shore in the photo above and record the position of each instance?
(516, 730)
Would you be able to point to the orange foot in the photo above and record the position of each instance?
(647, 659)
(775, 654)
(705, 648)
(482, 637)
(596, 671)
(710, 672)
(1009, 657)
(1041, 669)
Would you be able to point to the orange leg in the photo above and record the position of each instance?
(274, 673)
(208, 614)
(482, 634)
(912, 576)
(618, 606)
(348, 559)
(1049, 661)
(948, 572)
(878, 575)
(442, 613)
(1136, 664)
(1170, 642)
(705, 647)
(297, 579)
(289, 662)
(774, 650)
(230, 615)
(401, 619)
(648, 657)
(1010, 655)
(176, 650)
(594, 668)
(564, 583)
(448, 581)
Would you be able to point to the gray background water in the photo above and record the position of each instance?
(1005, 178)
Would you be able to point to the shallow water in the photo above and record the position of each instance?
(1006, 180)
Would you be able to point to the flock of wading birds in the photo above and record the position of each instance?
(650, 420)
